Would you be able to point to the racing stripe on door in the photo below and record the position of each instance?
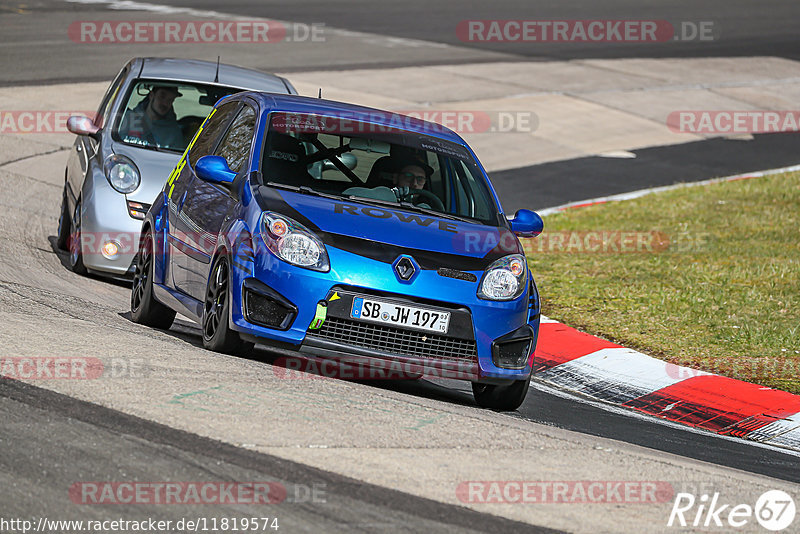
(573, 360)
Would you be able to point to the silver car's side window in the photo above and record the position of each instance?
(102, 118)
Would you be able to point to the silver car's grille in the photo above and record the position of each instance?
(397, 340)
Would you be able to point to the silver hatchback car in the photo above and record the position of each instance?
(120, 160)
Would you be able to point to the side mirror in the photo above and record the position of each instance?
(527, 223)
(80, 125)
(214, 169)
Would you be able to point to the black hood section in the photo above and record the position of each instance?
(270, 199)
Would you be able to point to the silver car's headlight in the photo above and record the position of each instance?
(293, 242)
(505, 279)
(122, 173)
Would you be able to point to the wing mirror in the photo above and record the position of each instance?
(214, 169)
(527, 223)
(81, 125)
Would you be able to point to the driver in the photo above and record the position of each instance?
(411, 177)
(153, 120)
(414, 175)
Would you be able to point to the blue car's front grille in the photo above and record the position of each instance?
(397, 340)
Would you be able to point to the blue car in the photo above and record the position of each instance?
(341, 231)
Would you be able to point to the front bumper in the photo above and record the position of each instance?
(104, 219)
(468, 351)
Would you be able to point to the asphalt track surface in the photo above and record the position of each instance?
(553, 184)
(742, 27)
(35, 34)
(149, 451)
(85, 441)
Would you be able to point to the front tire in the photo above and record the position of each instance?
(217, 335)
(501, 398)
(75, 252)
(145, 309)
(64, 223)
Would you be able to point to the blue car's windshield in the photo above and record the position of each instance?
(362, 160)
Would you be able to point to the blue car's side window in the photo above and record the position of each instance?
(206, 141)
(235, 147)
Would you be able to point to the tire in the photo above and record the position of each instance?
(145, 309)
(74, 242)
(64, 223)
(217, 335)
(501, 398)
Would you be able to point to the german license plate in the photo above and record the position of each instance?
(389, 313)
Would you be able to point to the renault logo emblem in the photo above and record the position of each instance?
(405, 268)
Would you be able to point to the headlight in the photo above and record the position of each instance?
(293, 243)
(505, 279)
(122, 174)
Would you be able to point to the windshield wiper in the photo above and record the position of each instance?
(303, 189)
(365, 200)
(428, 211)
(405, 205)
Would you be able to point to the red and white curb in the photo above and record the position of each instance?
(602, 370)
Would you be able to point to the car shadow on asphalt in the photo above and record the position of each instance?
(63, 257)
(287, 363)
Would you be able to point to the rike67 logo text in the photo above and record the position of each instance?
(774, 510)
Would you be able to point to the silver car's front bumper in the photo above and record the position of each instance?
(104, 219)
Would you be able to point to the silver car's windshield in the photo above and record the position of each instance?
(369, 162)
(161, 114)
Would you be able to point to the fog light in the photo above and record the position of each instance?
(265, 307)
(512, 351)
(513, 355)
(110, 250)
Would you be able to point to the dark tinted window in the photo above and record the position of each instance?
(204, 145)
(164, 114)
(235, 148)
(353, 158)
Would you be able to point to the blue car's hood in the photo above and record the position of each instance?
(385, 232)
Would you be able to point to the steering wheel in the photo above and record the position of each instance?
(436, 201)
